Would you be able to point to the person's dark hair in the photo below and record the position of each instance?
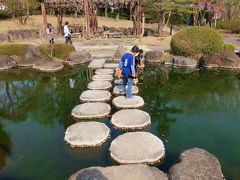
(135, 49)
(66, 23)
(141, 51)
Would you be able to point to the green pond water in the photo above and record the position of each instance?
(188, 109)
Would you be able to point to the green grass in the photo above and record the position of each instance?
(13, 49)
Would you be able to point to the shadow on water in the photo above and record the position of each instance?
(188, 108)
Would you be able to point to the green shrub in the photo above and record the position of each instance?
(60, 51)
(195, 41)
(13, 49)
(4, 14)
(229, 46)
(221, 24)
(234, 25)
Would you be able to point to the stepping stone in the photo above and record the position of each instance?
(111, 65)
(122, 102)
(116, 90)
(95, 96)
(126, 172)
(91, 111)
(118, 81)
(87, 134)
(136, 148)
(102, 78)
(104, 71)
(99, 85)
(48, 66)
(130, 119)
(96, 64)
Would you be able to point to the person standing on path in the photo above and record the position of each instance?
(67, 33)
(127, 65)
(49, 32)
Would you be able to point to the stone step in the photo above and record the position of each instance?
(91, 111)
(96, 64)
(130, 119)
(118, 81)
(136, 148)
(122, 102)
(116, 90)
(110, 65)
(102, 78)
(123, 172)
(87, 134)
(104, 71)
(95, 96)
(99, 85)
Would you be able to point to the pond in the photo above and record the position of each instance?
(188, 108)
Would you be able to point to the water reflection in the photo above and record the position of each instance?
(5, 146)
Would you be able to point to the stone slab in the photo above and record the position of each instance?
(122, 102)
(102, 78)
(48, 66)
(96, 63)
(116, 90)
(95, 96)
(118, 81)
(123, 172)
(99, 85)
(130, 119)
(91, 111)
(136, 148)
(104, 71)
(87, 134)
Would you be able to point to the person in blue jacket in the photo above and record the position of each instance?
(127, 65)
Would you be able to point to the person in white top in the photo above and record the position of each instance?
(67, 33)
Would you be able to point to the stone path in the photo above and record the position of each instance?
(129, 148)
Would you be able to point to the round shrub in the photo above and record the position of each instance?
(234, 25)
(195, 41)
(229, 47)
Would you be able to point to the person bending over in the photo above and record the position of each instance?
(127, 65)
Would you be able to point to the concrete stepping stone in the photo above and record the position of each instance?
(102, 78)
(104, 71)
(111, 65)
(116, 90)
(118, 81)
(91, 111)
(130, 119)
(122, 102)
(123, 172)
(95, 96)
(136, 148)
(99, 85)
(96, 64)
(87, 134)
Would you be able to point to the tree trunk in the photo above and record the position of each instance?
(160, 23)
(169, 15)
(106, 12)
(143, 24)
(26, 18)
(76, 14)
(118, 14)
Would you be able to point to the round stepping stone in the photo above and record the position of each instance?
(95, 96)
(116, 90)
(122, 102)
(91, 111)
(130, 119)
(99, 85)
(126, 172)
(96, 63)
(118, 81)
(111, 65)
(104, 71)
(87, 134)
(48, 66)
(102, 78)
(136, 148)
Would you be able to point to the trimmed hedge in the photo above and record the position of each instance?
(234, 25)
(13, 49)
(195, 41)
